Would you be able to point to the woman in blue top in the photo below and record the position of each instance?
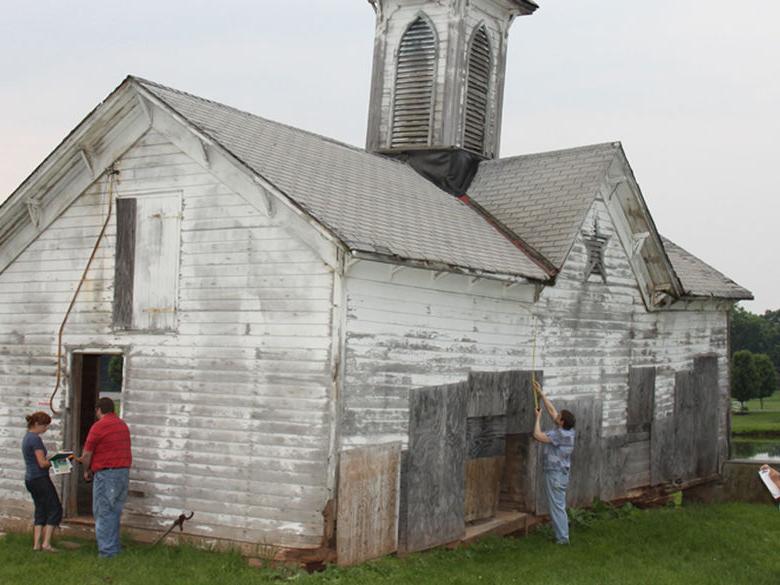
(556, 456)
(48, 509)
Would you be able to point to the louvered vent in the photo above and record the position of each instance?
(477, 89)
(413, 106)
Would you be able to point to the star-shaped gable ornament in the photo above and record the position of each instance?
(595, 244)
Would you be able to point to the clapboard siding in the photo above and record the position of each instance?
(229, 413)
(409, 330)
(607, 328)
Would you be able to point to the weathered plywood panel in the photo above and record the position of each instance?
(613, 481)
(518, 484)
(499, 392)
(684, 454)
(637, 467)
(124, 268)
(488, 393)
(706, 414)
(662, 447)
(641, 390)
(483, 485)
(435, 467)
(673, 438)
(521, 404)
(485, 437)
(367, 526)
(586, 458)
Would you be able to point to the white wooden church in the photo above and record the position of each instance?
(323, 345)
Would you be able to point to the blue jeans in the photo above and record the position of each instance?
(555, 483)
(109, 493)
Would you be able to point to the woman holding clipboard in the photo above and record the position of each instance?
(48, 509)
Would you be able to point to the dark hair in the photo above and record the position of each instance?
(105, 404)
(568, 420)
(37, 418)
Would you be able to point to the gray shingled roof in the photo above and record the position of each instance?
(371, 203)
(544, 197)
(699, 278)
(378, 205)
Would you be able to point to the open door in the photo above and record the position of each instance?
(93, 375)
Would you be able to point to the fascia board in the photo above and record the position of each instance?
(628, 174)
(258, 191)
(66, 173)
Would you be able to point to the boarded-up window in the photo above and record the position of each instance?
(641, 399)
(413, 96)
(147, 262)
(477, 91)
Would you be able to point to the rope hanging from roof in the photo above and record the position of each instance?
(112, 174)
(533, 365)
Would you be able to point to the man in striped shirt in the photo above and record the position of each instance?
(107, 457)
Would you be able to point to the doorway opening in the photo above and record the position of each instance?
(93, 376)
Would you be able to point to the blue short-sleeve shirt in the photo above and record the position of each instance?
(557, 453)
(31, 443)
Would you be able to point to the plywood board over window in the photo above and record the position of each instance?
(147, 261)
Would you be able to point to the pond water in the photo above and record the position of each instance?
(766, 449)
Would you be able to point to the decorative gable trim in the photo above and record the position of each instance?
(636, 231)
(109, 131)
(595, 244)
(234, 173)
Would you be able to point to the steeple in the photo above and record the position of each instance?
(438, 83)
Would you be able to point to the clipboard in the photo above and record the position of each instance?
(773, 488)
(61, 462)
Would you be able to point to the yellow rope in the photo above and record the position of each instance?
(533, 366)
(111, 175)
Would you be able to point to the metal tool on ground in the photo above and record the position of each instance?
(178, 522)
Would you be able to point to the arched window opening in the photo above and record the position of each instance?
(414, 78)
(477, 92)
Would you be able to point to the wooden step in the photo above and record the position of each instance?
(504, 522)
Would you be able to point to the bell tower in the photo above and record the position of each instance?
(438, 83)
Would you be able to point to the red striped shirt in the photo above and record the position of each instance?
(109, 442)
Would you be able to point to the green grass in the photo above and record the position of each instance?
(757, 421)
(724, 544)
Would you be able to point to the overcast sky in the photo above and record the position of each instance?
(691, 88)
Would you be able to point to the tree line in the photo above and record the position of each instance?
(755, 346)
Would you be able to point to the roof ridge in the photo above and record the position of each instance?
(346, 145)
(615, 145)
(144, 81)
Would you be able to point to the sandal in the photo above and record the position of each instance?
(50, 549)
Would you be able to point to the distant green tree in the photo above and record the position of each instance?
(756, 333)
(749, 331)
(744, 377)
(767, 377)
(773, 317)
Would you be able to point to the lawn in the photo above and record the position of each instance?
(756, 421)
(723, 544)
